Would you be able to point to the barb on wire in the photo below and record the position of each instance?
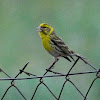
(20, 72)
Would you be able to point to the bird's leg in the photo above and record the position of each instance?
(51, 66)
(47, 70)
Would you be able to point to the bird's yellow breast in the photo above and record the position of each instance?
(46, 42)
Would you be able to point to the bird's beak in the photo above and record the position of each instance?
(39, 29)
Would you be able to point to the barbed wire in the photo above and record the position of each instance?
(55, 74)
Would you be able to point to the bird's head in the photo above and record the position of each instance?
(45, 29)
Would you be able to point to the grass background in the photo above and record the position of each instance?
(76, 21)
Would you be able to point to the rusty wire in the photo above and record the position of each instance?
(55, 74)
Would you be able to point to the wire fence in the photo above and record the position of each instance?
(55, 74)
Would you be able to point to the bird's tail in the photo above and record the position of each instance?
(81, 57)
(85, 60)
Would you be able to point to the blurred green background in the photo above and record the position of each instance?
(76, 21)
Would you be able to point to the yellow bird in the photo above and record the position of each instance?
(53, 44)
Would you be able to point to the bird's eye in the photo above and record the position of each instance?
(44, 27)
